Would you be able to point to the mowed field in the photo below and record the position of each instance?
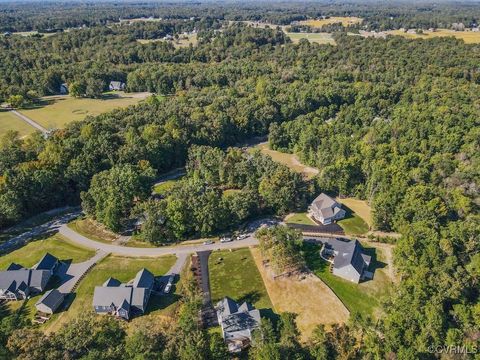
(359, 207)
(57, 111)
(349, 20)
(319, 38)
(9, 121)
(182, 41)
(121, 268)
(309, 298)
(470, 37)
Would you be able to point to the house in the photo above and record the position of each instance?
(64, 89)
(349, 260)
(326, 210)
(122, 300)
(237, 323)
(116, 86)
(17, 282)
(50, 301)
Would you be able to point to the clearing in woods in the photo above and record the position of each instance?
(9, 121)
(350, 20)
(470, 37)
(319, 38)
(55, 112)
(313, 301)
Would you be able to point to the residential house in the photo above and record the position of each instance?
(116, 86)
(63, 89)
(50, 301)
(17, 283)
(237, 323)
(349, 260)
(124, 300)
(326, 210)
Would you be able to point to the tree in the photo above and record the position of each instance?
(16, 101)
(76, 89)
(94, 87)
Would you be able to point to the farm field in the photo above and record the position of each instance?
(364, 297)
(234, 274)
(470, 37)
(56, 245)
(319, 38)
(289, 160)
(9, 121)
(121, 268)
(57, 111)
(350, 20)
(310, 298)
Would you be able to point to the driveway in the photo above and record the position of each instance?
(30, 121)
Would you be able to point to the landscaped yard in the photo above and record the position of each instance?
(353, 224)
(363, 297)
(9, 121)
(289, 160)
(319, 38)
(359, 207)
(299, 218)
(234, 274)
(57, 111)
(121, 268)
(56, 245)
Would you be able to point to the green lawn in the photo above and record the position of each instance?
(300, 218)
(363, 297)
(57, 111)
(121, 268)
(56, 245)
(164, 186)
(8, 121)
(353, 224)
(234, 274)
(319, 38)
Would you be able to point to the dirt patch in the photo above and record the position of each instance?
(310, 298)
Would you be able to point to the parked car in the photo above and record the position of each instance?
(242, 236)
(226, 239)
(208, 242)
(168, 287)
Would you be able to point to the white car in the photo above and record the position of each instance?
(168, 287)
(208, 242)
(226, 239)
(242, 236)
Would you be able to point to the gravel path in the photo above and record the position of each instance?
(30, 121)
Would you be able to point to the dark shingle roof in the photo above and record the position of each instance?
(48, 262)
(51, 299)
(111, 282)
(348, 253)
(14, 266)
(144, 279)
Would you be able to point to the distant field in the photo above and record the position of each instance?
(319, 38)
(61, 110)
(469, 37)
(56, 245)
(351, 20)
(8, 121)
(234, 274)
(121, 268)
(183, 41)
(289, 160)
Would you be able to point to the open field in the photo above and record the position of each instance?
(234, 274)
(9, 121)
(121, 268)
(182, 41)
(299, 218)
(364, 297)
(56, 245)
(350, 20)
(289, 160)
(310, 298)
(359, 207)
(470, 37)
(93, 230)
(319, 38)
(57, 111)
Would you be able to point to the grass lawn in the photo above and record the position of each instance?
(234, 274)
(363, 297)
(359, 207)
(56, 245)
(299, 218)
(469, 37)
(347, 20)
(8, 121)
(57, 111)
(353, 224)
(121, 268)
(319, 38)
(164, 186)
(92, 230)
(289, 160)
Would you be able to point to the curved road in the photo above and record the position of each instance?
(167, 250)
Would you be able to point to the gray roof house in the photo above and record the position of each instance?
(116, 86)
(16, 283)
(349, 260)
(63, 89)
(326, 210)
(124, 300)
(50, 301)
(237, 323)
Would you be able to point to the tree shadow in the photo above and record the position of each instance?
(250, 297)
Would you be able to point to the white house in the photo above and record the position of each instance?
(326, 210)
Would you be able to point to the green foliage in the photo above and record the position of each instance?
(16, 101)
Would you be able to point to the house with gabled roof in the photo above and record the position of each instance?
(326, 210)
(124, 300)
(237, 323)
(50, 301)
(116, 86)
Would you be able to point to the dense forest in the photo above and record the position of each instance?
(392, 121)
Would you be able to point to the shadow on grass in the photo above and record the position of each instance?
(160, 302)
